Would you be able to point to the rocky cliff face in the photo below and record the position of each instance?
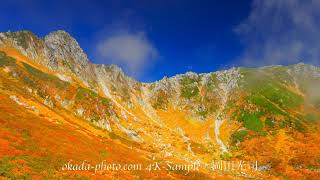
(191, 117)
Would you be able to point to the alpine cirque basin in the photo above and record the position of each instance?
(56, 107)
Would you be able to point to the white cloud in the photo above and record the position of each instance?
(133, 51)
(281, 32)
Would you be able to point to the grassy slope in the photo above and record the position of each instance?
(60, 135)
(38, 143)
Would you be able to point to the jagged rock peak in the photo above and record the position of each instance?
(17, 33)
(18, 38)
(112, 68)
(305, 69)
(115, 68)
(64, 46)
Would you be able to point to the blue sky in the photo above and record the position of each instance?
(152, 39)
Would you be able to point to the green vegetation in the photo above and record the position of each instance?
(264, 104)
(66, 63)
(105, 101)
(25, 134)
(283, 124)
(252, 121)
(269, 123)
(239, 136)
(125, 94)
(86, 98)
(317, 103)
(2, 54)
(266, 90)
(6, 60)
(268, 108)
(280, 74)
(62, 84)
(189, 91)
(203, 113)
(39, 74)
(28, 81)
(160, 102)
(268, 86)
(43, 76)
(312, 117)
(94, 117)
(43, 164)
(83, 93)
(7, 167)
(186, 80)
(211, 105)
(22, 38)
(226, 156)
(212, 82)
(39, 165)
(298, 126)
(189, 87)
(281, 96)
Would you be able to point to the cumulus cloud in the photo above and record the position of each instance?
(281, 32)
(133, 51)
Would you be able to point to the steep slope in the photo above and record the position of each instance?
(190, 118)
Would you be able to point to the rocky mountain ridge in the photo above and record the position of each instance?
(189, 117)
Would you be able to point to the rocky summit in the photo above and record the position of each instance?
(58, 109)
